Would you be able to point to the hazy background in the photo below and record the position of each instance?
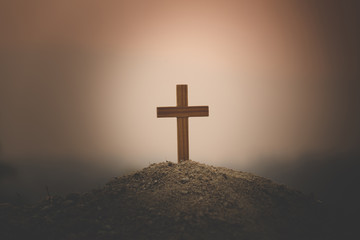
(81, 80)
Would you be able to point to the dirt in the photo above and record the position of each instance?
(172, 201)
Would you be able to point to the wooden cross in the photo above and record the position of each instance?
(182, 112)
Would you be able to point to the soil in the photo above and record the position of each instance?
(188, 200)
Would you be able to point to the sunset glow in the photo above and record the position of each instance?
(82, 80)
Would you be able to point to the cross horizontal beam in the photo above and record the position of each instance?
(193, 111)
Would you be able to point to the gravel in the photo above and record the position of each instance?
(188, 200)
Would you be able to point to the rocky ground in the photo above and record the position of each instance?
(172, 201)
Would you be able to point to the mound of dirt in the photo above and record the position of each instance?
(171, 201)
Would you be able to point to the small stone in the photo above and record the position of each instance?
(185, 180)
(184, 192)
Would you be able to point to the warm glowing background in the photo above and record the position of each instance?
(81, 80)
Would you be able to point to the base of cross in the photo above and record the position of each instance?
(182, 112)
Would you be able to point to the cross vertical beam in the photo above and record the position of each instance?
(182, 124)
(182, 112)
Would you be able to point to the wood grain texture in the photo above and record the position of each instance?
(182, 112)
(182, 122)
(193, 111)
(183, 138)
(181, 95)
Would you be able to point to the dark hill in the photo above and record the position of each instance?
(172, 201)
